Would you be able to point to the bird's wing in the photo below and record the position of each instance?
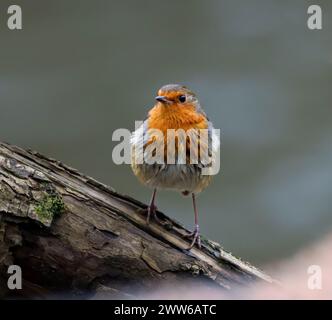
(140, 135)
(214, 139)
(138, 141)
(209, 146)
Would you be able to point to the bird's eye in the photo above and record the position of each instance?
(182, 98)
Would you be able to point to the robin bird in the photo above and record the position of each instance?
(176, 108)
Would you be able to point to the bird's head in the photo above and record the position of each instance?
(177, 107)
(176, 95)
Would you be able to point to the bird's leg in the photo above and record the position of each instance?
(152, 209)
(195, 234)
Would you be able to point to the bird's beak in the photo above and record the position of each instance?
(162, 99)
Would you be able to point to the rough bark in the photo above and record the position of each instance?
(75, 236)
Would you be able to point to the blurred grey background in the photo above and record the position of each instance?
(80, 69)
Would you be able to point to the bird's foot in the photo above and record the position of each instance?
(151, 211)
(195, 236)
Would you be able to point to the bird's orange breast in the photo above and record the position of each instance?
(176, 116)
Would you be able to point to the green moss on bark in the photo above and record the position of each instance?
(49, 207)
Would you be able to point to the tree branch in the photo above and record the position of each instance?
(70, 233)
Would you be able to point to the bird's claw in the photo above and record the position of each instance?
(151, 211)
(195, 235)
